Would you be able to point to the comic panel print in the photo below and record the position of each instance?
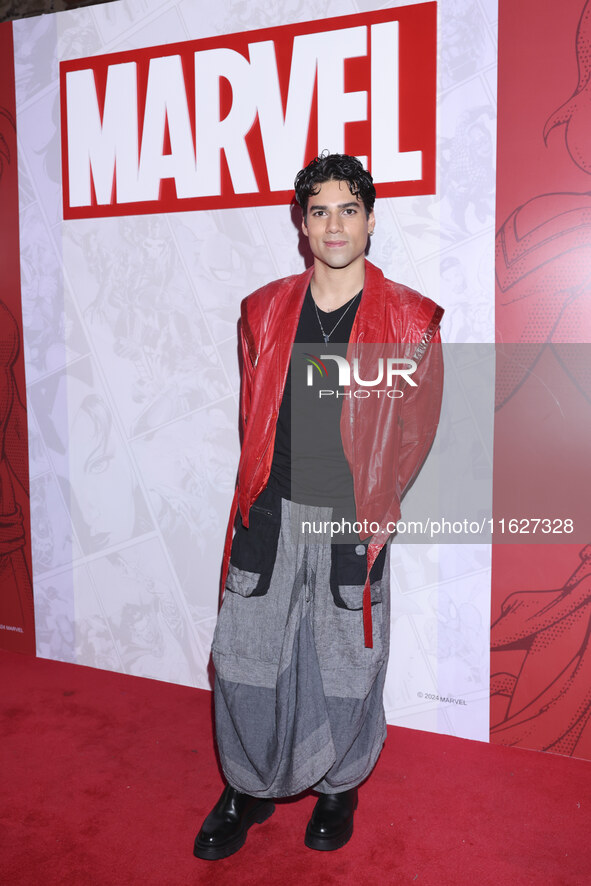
(540, 651)
(138, 303)
(98, 483)
(142, 622)
(189, 470)
(438, 679)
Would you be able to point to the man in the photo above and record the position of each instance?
(301, 644)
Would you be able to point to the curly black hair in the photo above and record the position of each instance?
(334, 167)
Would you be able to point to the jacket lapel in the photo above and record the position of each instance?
(287, 314)
(369, 325)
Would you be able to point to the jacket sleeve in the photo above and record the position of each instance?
(249, 359)
(420, 413)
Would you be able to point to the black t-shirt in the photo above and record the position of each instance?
(309, 465)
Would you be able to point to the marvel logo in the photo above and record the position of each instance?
(229, 120)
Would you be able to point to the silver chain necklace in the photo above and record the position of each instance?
(327, 335)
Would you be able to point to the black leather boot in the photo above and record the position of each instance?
(224, 830)
(331, 824)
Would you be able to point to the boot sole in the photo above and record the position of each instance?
(257, 815)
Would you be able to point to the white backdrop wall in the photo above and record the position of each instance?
(132, 371)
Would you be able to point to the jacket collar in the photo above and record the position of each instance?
(369, 324)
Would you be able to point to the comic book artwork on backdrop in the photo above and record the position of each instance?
(541, 594)
(133, 266)
(17, 625)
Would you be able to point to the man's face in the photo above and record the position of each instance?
(337, 225)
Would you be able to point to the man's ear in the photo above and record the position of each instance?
(371, 223)
(304, 226)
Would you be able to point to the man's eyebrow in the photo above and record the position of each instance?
(339, 205)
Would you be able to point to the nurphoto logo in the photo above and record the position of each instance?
(388, 373)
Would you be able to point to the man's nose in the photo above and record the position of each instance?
(334, 221)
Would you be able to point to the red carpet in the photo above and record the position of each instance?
(106, 778)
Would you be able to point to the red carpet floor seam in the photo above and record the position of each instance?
(106, 778)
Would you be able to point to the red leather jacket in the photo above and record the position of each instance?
(385, 443)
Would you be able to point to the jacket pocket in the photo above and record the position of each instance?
(254, 550)
(348, 571)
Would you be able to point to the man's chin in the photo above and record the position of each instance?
(338, 262)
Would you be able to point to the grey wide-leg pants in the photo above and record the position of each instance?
(298, 697)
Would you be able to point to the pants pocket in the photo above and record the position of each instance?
(252, 558)
(348, 571)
